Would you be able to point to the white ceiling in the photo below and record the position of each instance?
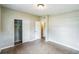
(50, 9)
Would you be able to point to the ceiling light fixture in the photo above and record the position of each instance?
(41, 6)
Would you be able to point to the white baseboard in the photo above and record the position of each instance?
(64, 44)
(6, 47)
(13, 45)
(30, 40)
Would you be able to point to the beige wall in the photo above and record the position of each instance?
(8, 17)
(64, 29)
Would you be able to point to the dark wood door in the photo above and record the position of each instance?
(17, 31)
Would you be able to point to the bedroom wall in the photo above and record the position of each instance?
(7, 35)
(64, 29)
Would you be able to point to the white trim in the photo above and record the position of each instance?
(15, 45)
(64, 45)
(6, 47)
(29, 40)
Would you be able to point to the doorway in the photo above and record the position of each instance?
(37, 30)
(40, 30)
(17, 31)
